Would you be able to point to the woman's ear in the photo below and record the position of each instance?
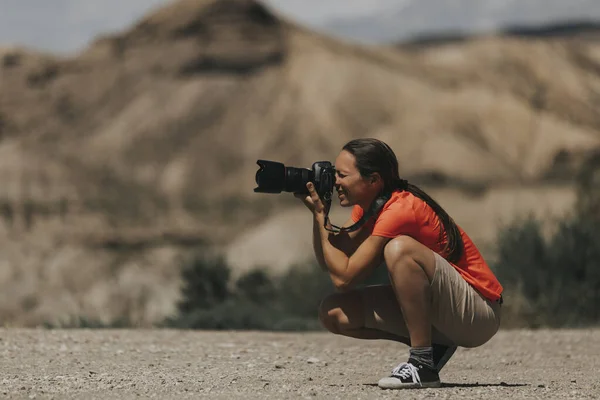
(375, 177)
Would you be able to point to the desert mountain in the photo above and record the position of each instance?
(117, 162)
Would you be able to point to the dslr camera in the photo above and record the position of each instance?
(275, 177)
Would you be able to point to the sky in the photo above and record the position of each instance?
(320, 12)
(67, 26)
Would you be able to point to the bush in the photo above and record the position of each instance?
(205, 284)
(559, 276)
(254, 301)
(82, 322)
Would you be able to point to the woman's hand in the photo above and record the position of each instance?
(312, 201)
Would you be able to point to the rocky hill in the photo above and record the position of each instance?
(120, 161)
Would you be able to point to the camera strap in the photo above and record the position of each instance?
(374, 209)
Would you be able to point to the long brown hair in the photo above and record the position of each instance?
(373, 155)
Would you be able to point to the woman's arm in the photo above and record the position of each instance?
(317, 247)
(347, 242)
(347, 258)
(346, 270)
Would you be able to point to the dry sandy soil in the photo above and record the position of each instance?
(174, 364)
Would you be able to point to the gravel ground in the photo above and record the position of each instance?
(123, 364)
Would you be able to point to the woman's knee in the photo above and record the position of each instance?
(398, 248)
(406, 252)
(341, 311)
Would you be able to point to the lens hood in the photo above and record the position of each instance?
(270, 177)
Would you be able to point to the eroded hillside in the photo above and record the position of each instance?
(118, 162)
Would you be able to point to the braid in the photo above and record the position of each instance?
(455, 246)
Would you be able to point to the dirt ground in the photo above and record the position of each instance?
(123, 364)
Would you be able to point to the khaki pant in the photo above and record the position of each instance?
(460, 315)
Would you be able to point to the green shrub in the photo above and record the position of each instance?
(301, 289)
(205, 279)
(82, 322)
(255, 301)
(559, 276)
(256, 287)
(230, 314)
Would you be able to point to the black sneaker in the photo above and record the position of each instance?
(411, 375)
(441, 355)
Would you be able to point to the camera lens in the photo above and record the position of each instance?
(297, 178)
(274, 177)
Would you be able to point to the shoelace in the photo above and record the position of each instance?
(406, 370)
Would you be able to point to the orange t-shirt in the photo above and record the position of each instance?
(406, 214)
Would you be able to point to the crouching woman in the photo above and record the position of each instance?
(442, 295)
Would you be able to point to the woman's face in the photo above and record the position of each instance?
(351, 187)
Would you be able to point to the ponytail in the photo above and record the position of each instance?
(454, 246)
(374, 156)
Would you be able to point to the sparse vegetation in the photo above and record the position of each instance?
(550, 280)
(82, 322)
(559, 275)
(210, 300)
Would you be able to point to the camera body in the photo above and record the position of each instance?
(275, 177)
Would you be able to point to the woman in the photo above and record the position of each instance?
(442, 292)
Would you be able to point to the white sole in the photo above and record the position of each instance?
(390, 384)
